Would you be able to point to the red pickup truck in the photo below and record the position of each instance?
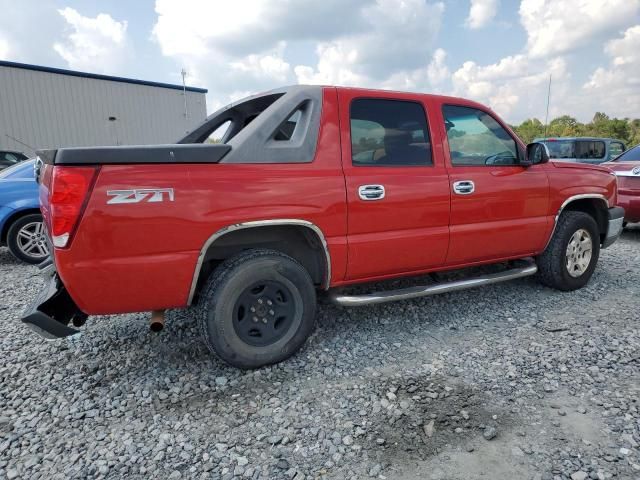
(309, 189)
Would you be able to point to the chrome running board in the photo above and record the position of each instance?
(425, 291)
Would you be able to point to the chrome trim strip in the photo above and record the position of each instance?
(425, 291)
(597, 196)
(629, 173)
(257, 224)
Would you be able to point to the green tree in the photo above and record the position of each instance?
(529, 129)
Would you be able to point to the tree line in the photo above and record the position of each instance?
(626, 129)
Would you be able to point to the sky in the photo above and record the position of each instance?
(498, 52)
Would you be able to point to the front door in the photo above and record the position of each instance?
(498, 206)
(397, 186)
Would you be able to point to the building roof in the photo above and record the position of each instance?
(97, 76)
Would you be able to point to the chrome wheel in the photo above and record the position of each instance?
(32, 242)
(579, 252)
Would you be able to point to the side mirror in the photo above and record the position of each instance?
(537, 153)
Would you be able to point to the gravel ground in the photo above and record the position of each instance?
(513, 381)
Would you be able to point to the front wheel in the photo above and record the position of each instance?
(258, 308)
(572, 254)
(26, 239)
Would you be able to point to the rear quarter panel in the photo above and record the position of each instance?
(142, 256)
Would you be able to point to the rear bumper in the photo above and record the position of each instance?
(51, 311)
(631, 204)
(614, 227)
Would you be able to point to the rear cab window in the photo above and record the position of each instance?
(477, 139)
(391, 133)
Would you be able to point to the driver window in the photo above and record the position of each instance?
(477, 139)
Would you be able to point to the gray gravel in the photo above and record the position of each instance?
(514, 381)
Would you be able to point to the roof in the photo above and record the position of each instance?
(540, 139)
(97, 76)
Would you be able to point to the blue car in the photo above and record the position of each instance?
(21, 227)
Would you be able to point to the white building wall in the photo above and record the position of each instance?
(51, 110)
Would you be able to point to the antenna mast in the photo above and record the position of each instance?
(183, 72)
(546, 117)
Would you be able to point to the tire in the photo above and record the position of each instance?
(556, 265)
(29, 250)
(282, 296)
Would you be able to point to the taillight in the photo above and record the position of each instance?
(67, 199)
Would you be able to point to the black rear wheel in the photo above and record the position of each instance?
(258, 308)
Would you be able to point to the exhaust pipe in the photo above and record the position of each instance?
(157, 320)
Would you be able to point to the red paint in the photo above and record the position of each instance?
(126, 258)
(628, 189)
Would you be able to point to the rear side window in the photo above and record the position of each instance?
(389, 133)
(615, 149)
(477, 139)
(9, 158)
(587, 149)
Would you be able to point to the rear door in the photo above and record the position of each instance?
(397, 185)
(499, 208)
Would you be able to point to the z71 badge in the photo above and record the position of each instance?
(150, 195)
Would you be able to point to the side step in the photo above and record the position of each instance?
(425, 291)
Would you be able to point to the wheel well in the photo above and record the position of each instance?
(595, 207)
(15, 216)
(300, 242)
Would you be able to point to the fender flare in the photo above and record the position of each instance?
(567, 202)
(257, 224)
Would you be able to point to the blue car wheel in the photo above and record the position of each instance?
(26, 239)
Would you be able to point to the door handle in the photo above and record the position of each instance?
(464, 187)
(371, 192)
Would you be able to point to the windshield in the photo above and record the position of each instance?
(19, 170)
(561, 148)
(631, 155)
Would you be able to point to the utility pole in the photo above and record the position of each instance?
(183, 72)
(546, 117)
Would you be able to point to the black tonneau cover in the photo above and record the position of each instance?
(125, 155)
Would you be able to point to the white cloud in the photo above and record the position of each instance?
(4, 48)
(437, 71)
(197, 27)
(616, 89)
(625, 50)
(515, 87)
(481, 12)
(95, 44)
(378, 43)
(394, 46)
(555, 27)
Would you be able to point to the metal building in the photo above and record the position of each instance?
(42, 107)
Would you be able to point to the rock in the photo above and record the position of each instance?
(517, 452)
(429, 429)
(221, 381)
(375, 470)
(579, 475)
(347, 440)
(489, 433)
(282, 464)
(242, 461)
